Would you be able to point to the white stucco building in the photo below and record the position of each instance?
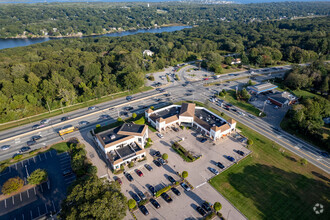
(188, 114)
(123, 144)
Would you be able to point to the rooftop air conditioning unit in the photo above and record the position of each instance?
(112, 137)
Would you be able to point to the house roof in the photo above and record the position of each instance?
(222, 128)
(132, 129)
(187, 109)
(231, 121)
(263, 87)
(171, 119)
(149, 110)
(282, 98)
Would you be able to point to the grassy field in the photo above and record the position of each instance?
(45, 115)
(270, 184)
(230, 97)
(61, 147)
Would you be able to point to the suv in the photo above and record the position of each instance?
(240, 152)
(144, 210)
(37, 137)
(220, 165)
(176, 191)
(136, 198)
(129, 98)
(206, 206)
(24, 149)
(152, 190)
(200, 211)
(129, 177)
(155, 203)
(171, 179)
(185, 186)
(166, 197)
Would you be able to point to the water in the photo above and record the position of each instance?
(10, 43)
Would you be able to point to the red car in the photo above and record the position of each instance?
(139, 172)
(206, 78)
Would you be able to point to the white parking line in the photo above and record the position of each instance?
(31, 214)
(39, 157)
(34, 158)
(45, 156)
(51, 154)
(35, 193)
(53, 206)
(28, 193)
(20, 195)
(5, 203)
(46, 208)
(42, 190)
(13, 200)
(23, 216)
(16, 165)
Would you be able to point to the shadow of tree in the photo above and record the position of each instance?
(279, 194)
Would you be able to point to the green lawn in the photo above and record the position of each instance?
(230, 97)
(305, 94)
(61, 147)
(269, 184)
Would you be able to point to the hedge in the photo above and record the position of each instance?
(183, 152)
(165, 189)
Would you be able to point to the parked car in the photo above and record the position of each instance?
(220, 165)
(91, 108)
(5, 147)
(206, 206)
(160, 160)
(65, 118)
(201, 211)
(240, 152)
(166, 197)
(135, 197)
(24, 149)
(157, 154)
(213, 170)
(160, 135)
(171, 179)
(139, 172)
(129, 177)
(203, 140)
(129, 98)
(141, 194)
(157, 163)
(176, 191)
(30, 143)
(148, 167)
(36, 137)
(185, 186)
(152, 190)
(45, 121)
(230, 158)
(155, 203)
(67, 172)
(144, 210)
(175, 129)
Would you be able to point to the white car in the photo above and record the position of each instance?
(241, 113)
(45, 121)
(160, 135)
(5, 147)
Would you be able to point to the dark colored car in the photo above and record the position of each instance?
(65, 118)
(203, 140)
(156, 154)
(220, 165)
(144, 210)
(157, 163)
(240, 152)
(148, 167)
(24, 149)
(230, 158)
(37, 137)
(66, 172)
(34, 127)
(175, 129)
(135, 197)
(155, 203)
(105, 117)
(30, 143)
(129, 108)
(129, 177)
(206, 206)
(141, 194)
(176, 191)
(171, 179)
(152, 190)
(234, 109)
(160, 160)
(200, 211)
(227, 108)
(325, 154)
(129, 98)
(166, 197)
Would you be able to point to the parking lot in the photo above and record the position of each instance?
(184, 206)
(41, 200)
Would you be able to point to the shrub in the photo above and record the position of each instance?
(119, 119)
(38, 176)
(131, 164)
(217, 206)
(143, 202)
(152, 107)
(165, 189)
(134, 115)
(303, 161)
(151, 77)
(18, 156)
(122, 167)
(184, 174)
(165, 156)
(149, 140)
(147, 145)
(131, 204)
(92, 170)
(249, 142)
(210, 216)
(98, 126)
(12, 185)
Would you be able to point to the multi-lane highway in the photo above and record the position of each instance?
(17, 137)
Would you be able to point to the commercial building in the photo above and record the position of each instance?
(260, 88)
(188, 114)
(123, 144)
(282, 99)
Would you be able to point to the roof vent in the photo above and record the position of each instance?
(112, 137)
(200, 117)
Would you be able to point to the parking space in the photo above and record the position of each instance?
(184, 206)
(41, 200)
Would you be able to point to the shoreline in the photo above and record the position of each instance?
(93, 34)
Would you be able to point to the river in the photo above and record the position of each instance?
(11, 43)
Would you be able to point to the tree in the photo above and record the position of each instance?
(94, 199)
(217, 206)
(165, 156)
(184, 174)
(250, 142)
(131, 164)
(245, 94)
(119, 119)
(152, 107)
(134, 115)
(38, 176)
(303, 161)
(12, 185)
(131, 204)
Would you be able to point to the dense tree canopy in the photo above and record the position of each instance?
(94, 199)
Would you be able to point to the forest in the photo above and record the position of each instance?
(75, 19)
(68, 71)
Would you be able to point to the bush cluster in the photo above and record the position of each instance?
(12, 185)
(165, 189)
(183, 152)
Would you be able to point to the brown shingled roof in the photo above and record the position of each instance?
(187, 109)
(222, 128)
(231, 121)
(149, 110)
(171, 119)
